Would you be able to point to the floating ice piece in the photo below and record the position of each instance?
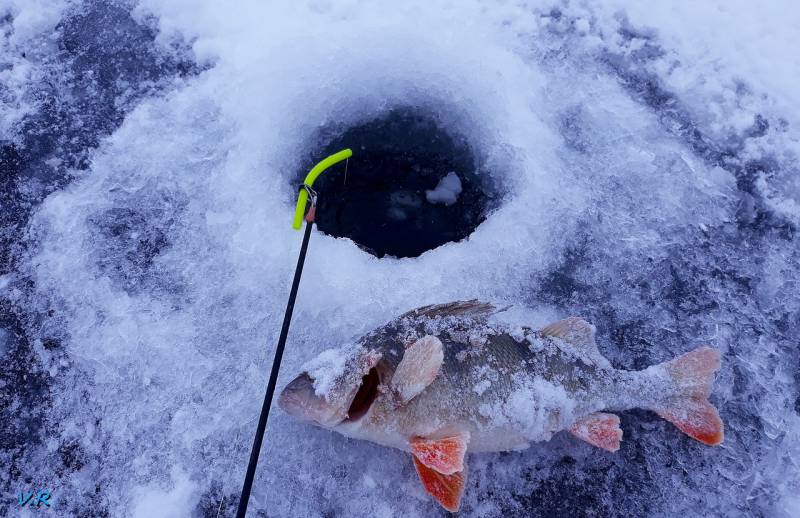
(447, 191)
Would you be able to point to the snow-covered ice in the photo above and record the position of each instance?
(647, 161)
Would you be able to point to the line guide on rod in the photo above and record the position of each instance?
(299, 213)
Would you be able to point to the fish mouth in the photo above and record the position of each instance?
(299, 399)
(365, 396)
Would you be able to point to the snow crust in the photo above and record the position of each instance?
(164, 268)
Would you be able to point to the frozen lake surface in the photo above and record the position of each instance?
(640, 169)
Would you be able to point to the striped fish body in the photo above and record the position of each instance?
(443, 380)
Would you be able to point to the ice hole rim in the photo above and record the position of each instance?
(378, 200)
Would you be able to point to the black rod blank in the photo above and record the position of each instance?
(273, 377)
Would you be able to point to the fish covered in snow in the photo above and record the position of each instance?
(444, 380)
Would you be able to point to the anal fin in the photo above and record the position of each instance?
(599, 429)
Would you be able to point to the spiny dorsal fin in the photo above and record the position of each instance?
(580, 335)
(465, 308)
(421, 362)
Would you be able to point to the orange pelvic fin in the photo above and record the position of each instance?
(446, 489)
(599, 429)
(445, 455)
(690, 410)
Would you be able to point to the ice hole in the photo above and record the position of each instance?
(411, 185)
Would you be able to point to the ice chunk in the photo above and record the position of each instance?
(446, 191)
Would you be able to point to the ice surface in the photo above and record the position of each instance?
(481, 386)
(21, 22)
(650, 185)
(446, 191)
(175, 501)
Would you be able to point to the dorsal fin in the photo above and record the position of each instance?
(418, 368)
(464, 308)
(579, 334)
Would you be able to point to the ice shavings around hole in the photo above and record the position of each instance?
(22, 51)
(446, 191)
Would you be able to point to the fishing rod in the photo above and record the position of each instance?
(306, 192)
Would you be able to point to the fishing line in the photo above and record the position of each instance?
(306, 191)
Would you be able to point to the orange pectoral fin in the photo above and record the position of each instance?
(446, 489)
(420, 365)
(599, 429)
(445, 455)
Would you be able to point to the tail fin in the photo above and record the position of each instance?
(689, 409)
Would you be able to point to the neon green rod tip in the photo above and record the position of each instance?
(311, 177)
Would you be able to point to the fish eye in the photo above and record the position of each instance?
(365, 396)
